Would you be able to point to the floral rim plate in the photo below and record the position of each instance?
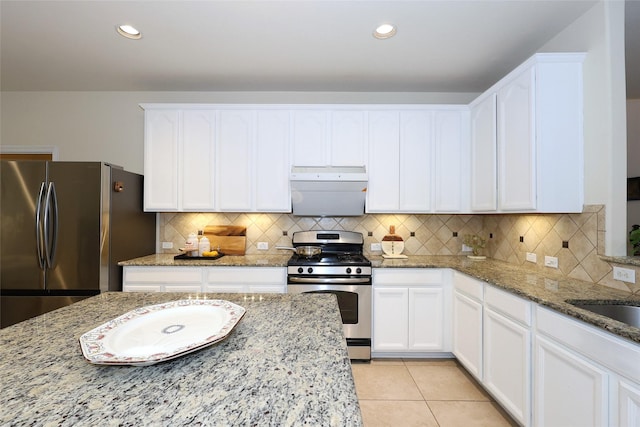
(160, 332)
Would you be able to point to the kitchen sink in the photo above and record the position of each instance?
(624, 312)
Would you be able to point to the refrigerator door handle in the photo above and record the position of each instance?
(40, 244)
(51, 224)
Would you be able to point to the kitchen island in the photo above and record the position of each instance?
(284, 364)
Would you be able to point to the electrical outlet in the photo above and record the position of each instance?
(263, 246)
(624, 274)
(531, 257)
(551, 261)
(376, 247)
(167, 245)
(466, 248)
(551, 285)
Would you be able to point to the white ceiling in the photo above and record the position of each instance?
(265, 45)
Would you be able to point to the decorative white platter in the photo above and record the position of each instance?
(155, 333)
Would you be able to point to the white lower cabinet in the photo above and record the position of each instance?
(205, 279)
(507, 352)
(569, 390)
(245, 280)
(628, 413)
(583, 376)
(162, 279)
(467, 323)
(410, 311)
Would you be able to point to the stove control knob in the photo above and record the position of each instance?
(310, 270)
(300, 270)
(348, 270)
(358, 270)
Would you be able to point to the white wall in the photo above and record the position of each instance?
(600, 33)
(108, 126)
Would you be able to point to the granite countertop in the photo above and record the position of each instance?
(547, 290)
(225, 261)
(550, 290)
(284, 364)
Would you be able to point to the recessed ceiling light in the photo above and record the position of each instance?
(129, 32)
(385, 31)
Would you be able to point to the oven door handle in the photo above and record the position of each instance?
(329, 280)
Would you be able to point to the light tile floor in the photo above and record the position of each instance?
(430, 393)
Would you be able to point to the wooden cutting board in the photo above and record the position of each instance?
(231, 239)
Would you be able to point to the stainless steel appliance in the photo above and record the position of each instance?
(63, 228)
(341, 269)
(328, 190)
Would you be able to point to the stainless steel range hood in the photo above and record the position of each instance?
(328, 191)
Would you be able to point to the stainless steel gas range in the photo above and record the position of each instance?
(339, 268)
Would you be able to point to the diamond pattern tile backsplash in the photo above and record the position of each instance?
(575, 239)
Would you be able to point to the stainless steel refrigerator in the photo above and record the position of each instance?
(64, 226)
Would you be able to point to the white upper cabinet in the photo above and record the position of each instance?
(451, 164)
(272, 163)
(178, 160)
(417, 160)
(198, 156)
(517, 143)
(484, 171)
(252, 171)
(533, 135)
(384, 162)
(329, 138)
(348, 144)
(216, 159)
(161, 151)
(310, 133)
(416, 153)
(235, 173)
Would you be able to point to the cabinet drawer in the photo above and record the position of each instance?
(246, 275)
(615, 353)
(516, 308)
(468, 286)
(408, 276)
(162, 275)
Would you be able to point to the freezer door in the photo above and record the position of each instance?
(20, 183)
(76, 261)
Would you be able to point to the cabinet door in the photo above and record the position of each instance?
(183, 288)
(197, 160)
(467, 333)
(267, 289)
(426, 319)
(483, 156)
(310, 138)
(569, 390)
(390, 319)
(628, 404)
(507, 358)
(384, 161)
(449, 163)
(231, 288)
(234, 166)
(141, 288)
(347, 142)
(161, 133)
(272, 162)
(416, 158)
(516, 143)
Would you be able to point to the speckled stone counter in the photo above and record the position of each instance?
(547, 290)
(225, 261)
(285, 364)
(550, 291)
